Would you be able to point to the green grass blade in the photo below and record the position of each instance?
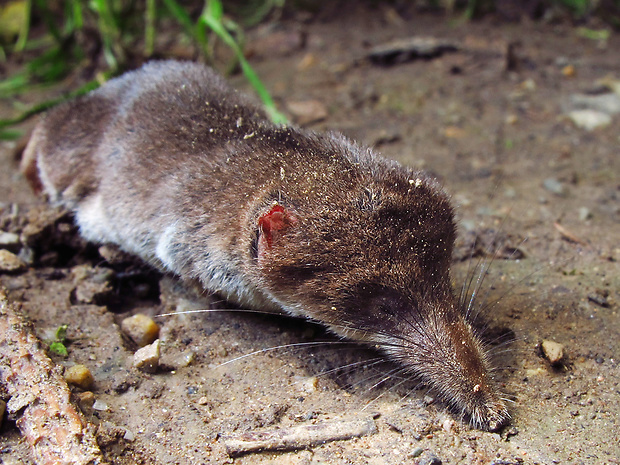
(10, 134)
(215, 24)
(41, 107)
(13, 84)
(109, 33)
(179, 13)
(25, 28)
(49, 20)
(149, 28)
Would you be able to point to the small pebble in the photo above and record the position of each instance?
(177, 360)
(584, 214)
(512, 119)
(86, 400)
(103, 275)
(589, 119)
(192, 390)
(428, 458)
(141, 329)
(147, 358)
(511, 431)
(553, 351)
(310, 385)
(568, 71)
(92, 292)
(129, 436)
(112, 254)
(26, 254)
(81, 272)
(599, 298)
(528, 84)
(9, 241)
(510, 192)
(308, 111)
(554, 186)
(608, 103)
(10, 263)
(80, 376)
(100, 405)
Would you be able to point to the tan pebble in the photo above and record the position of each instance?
(307, 62)
(308, 111)
(528, 84)
(512, 119)
(147, 358)
(185, 359)
(81, 272)
(10, 262)
(553, 351)
(448, 425)
(311, 384)
(141, 329)
(88, 292)
(568, 71)
(80, 376)
(454, 132)
(112, 254)
(86, 400)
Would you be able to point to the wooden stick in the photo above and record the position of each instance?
(566, 234)
(56, 431)
(297, 437)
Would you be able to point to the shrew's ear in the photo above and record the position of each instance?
(272, 225)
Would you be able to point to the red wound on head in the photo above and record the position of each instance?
(273, 222)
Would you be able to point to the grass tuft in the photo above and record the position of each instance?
(73, 30)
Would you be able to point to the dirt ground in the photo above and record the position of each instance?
(489, 119)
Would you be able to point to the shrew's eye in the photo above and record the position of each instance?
(392, 304)
(375, 304)
(298, 274)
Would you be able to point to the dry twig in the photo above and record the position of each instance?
(568, 235)
(297, 437)
(39, 396)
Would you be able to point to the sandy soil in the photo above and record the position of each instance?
(492, 126)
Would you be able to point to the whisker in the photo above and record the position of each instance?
(365, 363)
(385, 391)
(215, 310)
(371, 377)
(515, 285)
(491, 286)
(483, 273)
(412, 390)
(376, 399)
(284, 346)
